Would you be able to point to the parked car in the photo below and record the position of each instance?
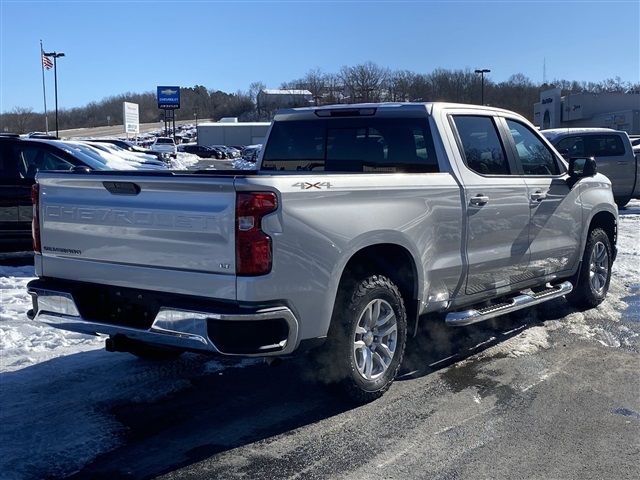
(199, 150)
(128, 146)
(165, 145)
(360, 220)
(612, 151)
(20, 160)
(138, 158)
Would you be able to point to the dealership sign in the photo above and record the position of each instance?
(131, 117)
(168, 97)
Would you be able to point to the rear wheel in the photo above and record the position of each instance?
(367, 339)
(594, 276)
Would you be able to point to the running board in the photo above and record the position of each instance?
(467, 317)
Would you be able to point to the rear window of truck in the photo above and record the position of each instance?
(366, 145)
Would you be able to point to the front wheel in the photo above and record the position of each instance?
(367, 338)
(594, 276)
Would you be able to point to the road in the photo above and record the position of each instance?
(549, 393)
(115, 130)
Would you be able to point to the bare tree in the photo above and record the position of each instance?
(364, 82)
(22, 119)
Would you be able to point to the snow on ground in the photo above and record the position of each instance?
(242, 164)
(57, 388)
(184, 161)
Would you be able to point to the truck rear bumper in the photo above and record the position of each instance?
(253, 332)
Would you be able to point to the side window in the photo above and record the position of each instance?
(604, 145)
(571, 146)
(32, 159)
(51, 161)
(482, 148)
(534, 156)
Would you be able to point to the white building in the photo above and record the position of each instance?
(232, 133)
(620, 111)
(269, 100)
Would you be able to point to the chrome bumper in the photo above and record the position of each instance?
(182, 329)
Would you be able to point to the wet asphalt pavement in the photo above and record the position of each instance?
(471, 403)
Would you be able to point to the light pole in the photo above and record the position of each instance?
(55, 56)
(482, 71)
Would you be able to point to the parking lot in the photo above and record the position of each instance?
(547, 393)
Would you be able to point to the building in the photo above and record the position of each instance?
(232, 132)
(270, 100)
(620, 111)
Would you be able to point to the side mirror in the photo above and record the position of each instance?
(582, 167)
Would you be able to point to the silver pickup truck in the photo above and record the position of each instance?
(360, 220)
(612, 150)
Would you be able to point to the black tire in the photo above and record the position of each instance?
(153, 352)
(369, 300)
(588, 293)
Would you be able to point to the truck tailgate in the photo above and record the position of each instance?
(175, 233)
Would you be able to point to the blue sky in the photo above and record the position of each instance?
(114, 46)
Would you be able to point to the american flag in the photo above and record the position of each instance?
(46, 62)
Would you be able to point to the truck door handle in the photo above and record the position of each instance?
(479, 200)
(538, 196)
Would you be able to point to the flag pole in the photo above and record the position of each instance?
(44, 92)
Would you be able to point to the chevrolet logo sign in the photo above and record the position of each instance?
(168, 91)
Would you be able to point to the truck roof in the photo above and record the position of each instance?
(556, 132)
(382, 109)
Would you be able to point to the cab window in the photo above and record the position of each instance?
(481, 145)
(534, 156)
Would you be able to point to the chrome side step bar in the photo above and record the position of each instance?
(467, 317)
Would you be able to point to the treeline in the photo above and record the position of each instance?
(367, 82)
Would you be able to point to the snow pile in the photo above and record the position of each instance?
(184, 161)
(242, 164)
(24, 342)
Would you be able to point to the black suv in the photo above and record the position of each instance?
(20, 160)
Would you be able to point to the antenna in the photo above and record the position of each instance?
(544, 70)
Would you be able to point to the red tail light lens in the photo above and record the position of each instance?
(35, 223)
(253, 246)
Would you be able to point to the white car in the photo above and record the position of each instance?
(165, 145)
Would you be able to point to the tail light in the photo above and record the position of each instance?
(35, 223)
(253, 246)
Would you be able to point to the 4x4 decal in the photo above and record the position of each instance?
(311, 186)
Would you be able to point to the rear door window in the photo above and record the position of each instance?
(604, 145)
(481, 145)
(369, 145)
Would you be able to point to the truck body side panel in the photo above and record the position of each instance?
(317, 231)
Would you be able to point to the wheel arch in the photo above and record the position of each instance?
(393, 261)
(607, 221)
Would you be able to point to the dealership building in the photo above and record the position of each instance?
(620, 111)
